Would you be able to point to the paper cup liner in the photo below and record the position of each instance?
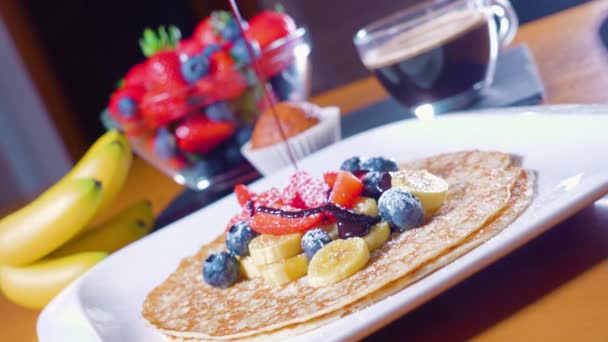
(272, 158)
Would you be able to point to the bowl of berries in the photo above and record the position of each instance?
(190, 106)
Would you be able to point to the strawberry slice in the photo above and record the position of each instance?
(305, 191)
(243, 194)
(346, 189)
(269, 198)
(265, 223)
(330, 178)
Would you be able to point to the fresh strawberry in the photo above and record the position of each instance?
(124, 104)
(347, 188)
(188, 47)
(198, 134)
(221, 61)
(137, 76)
(305, 191)
(268, 26)
(218, 86)
(162, 106)
(164, 70)
(330, 178)
(243, 194)
(204, 33)
(264, 223)
(269, 198)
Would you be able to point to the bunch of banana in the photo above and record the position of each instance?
(48, 243)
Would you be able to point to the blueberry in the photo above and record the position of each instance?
(211, 49)
(221, 269)
(313, 240)
(351, 164)
(219, 111)
(231, 30)
(239, 50)
(194, 67)
(400, 209)
(243, 135)
(238, 238)
(127, 106)
(375, 183)
(379, 164)
(164, 144)
(285, 83)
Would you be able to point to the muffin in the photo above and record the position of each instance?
(307, 127)
(294, 117)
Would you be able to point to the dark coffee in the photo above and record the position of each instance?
(439, 59)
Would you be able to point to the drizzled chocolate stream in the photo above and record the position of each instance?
(349, 223)
(265, 86)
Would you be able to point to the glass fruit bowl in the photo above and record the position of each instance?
(194, 133)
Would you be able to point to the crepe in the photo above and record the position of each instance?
(480, 196)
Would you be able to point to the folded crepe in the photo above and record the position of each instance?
(486, 193)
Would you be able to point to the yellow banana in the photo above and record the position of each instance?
(108, 160)
(33, 286)
(108, 237)
(49, 221)
(138, 211)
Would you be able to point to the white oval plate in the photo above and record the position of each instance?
(566, 145)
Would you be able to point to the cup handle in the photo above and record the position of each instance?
(507, 20)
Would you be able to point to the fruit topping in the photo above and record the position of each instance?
(221, 269)
(337, 261)
(313, 240)
(379, 164)
(249, 269)
(272, 223)
(378, 235)
(375, 183)
(351, 164)
(428, 188)
(267, 249)
(243, 194)
(346, 189)
(285, 271)
(400, 209)
(238, 238)
(330, 178)
(366, 206)
(305, 191)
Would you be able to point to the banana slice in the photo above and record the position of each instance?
(366, 206)
(428, 188)
(286, 270)
(337, 261)
(267, 249)
(249, 269)
(377, 236)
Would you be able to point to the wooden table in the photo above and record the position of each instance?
(554, 288)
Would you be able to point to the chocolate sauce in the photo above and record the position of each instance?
(350, 224)
(265, 85)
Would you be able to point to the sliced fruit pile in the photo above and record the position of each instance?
(195, 99)
(324, 228)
